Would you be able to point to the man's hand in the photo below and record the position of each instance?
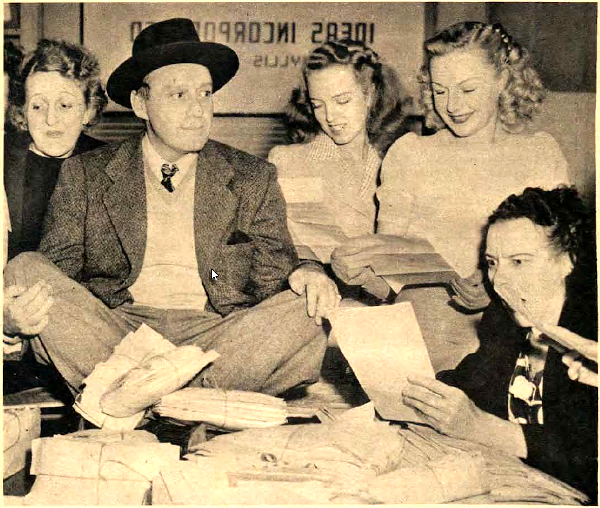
(26, 310)
(446, 408)
(321, 292)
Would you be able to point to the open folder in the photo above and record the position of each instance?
(384, 346)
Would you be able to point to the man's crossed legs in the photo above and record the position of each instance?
(268, 348)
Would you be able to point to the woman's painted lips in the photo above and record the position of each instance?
(337, 128)
(458, 119)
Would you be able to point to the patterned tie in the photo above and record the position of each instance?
(168, 172)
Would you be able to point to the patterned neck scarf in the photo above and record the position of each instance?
(525, 390)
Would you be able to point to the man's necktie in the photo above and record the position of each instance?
(168, 171)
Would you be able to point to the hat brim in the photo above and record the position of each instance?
(221, 61)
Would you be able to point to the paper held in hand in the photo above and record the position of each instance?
(314, 231)
(416, 262)
(384, 346)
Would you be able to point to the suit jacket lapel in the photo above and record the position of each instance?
(125, 201)
(214, 205)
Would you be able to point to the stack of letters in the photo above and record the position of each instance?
(231, 410)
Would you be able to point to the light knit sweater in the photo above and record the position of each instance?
(169, 278)
(444, 189)
(347, 196)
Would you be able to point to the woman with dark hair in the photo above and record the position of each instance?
(518, 392)
(54, 95)
(13, 56)
(479, 90)
(343, 117)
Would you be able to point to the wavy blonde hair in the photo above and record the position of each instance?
(524, 91)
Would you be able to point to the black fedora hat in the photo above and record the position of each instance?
(170, 42)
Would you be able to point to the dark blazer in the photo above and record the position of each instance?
(566, 446)
(16, 148)
(95, 230)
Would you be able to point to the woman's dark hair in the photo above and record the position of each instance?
(13, 56)
(71, 61)
(524, 91)
(385, 121)
(571, 227)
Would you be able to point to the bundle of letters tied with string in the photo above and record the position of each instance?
(354, 458)
(376, 453)
(146, 374)
(97, 467)
(115, 464)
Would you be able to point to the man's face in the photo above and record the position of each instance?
(178, 109)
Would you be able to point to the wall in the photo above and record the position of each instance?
(448, 13)
(31, 25)
(62, 21)
(271, 39)
(570, 118)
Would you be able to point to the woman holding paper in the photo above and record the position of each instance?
(516, 392)
(343, 116)
(479, 90)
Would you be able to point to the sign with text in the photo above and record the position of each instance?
(271, 40)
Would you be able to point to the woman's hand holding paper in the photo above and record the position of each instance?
(586, 347)
(447, 409)
(351, 260)
(354, 271)
(580, 354)
(578, 371)
(351, 265)
(470, 292)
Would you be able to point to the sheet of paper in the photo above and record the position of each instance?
(311, 213)
(315, 240)
(305, 252)
(384, 346)
(398, 264)
(396, 282)
(302, 189)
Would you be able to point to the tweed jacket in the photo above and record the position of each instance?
(16, 148)
(566, 446)
(95, 229)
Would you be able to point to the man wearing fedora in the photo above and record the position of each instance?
(177, 231)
